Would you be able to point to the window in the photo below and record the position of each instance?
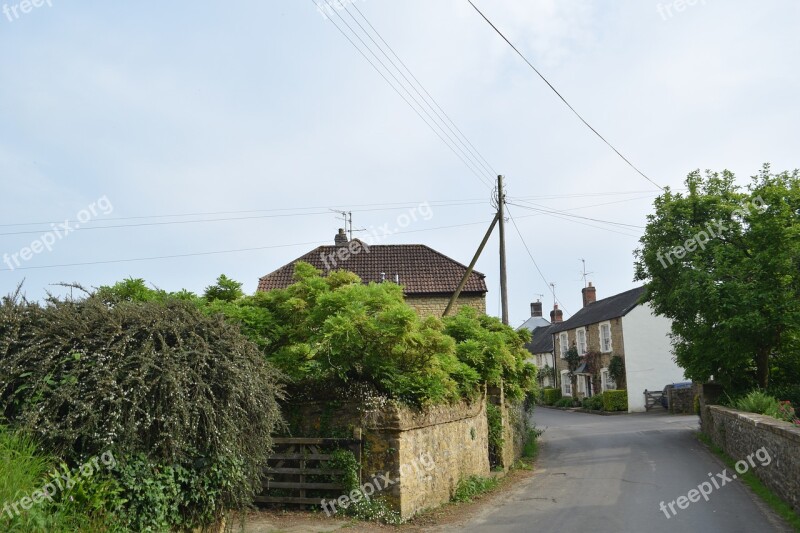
(580, 335)
(566, 383)
(605, 337)
(606, 381)
(563, 341)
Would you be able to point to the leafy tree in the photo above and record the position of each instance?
(724, 265)
(225, 289)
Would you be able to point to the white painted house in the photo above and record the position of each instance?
(620, 325)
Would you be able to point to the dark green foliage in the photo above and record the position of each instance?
(158, 383)
(496, 440)
(551, 396)
(336, 331)
(616, 369)
(734, 301)
(615, 400)
(226, 290)
(564, 402)
(595, 403)
(494, 350)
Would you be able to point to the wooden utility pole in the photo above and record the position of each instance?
(470, 267)
(503, 280)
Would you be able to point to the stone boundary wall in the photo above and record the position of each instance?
(427, 452)
(681, 401)
(740, 434)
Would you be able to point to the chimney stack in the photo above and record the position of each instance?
(536, 308)
(341, 238)
(556, 315)
(589, 294)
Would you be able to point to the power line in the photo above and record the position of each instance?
(87, 263)
(535, 264)
(548, 211)
(181, 222)
(566, 218)
(486, 165)
(419, 114)
(561, 97)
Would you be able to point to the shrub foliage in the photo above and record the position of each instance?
(158, 381)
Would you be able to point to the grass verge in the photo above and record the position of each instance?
(749, 478)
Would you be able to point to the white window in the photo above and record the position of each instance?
(605, 337)
(582, 385)
(566, 383)
(606, 381)
(580, 336)
(563, 341)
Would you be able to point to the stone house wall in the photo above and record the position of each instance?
(436, 304)
(742, 434)
(593, 345)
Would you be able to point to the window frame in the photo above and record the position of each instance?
(578, 331)
(566, 383)
(563, 347)
(610, 339)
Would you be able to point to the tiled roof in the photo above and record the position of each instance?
(542, 341)
(605, 309)
(421, 269)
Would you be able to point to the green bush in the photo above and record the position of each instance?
(473, 486)
(615, 400)
(495, 421)
(551, 396)
(564, 402)
(90, 505)
(758, 402)
(595, 403)
(158, 383)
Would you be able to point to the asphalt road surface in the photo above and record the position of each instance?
(610, 474)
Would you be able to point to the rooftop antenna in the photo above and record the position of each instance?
(347, 218)
(553, 290)
(585, 274)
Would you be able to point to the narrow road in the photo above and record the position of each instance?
(610, 474)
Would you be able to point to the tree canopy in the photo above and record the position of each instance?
(724, 264)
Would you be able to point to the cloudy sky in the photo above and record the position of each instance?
(258, 117)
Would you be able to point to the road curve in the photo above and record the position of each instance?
(610, 474)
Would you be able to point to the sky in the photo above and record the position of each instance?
(259, 118)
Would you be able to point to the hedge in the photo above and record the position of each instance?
(551, 396)
(615, 400)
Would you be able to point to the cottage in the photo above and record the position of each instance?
(618, 326)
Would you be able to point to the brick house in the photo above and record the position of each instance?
(619, 325)
(428, 277)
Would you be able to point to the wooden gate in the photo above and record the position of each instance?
(297, 472)
(652, 399)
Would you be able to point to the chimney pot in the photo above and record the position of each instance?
(536, 308)
(556, 315)
(341, 238)
(589, 294)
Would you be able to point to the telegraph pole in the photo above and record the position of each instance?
(501, 199)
